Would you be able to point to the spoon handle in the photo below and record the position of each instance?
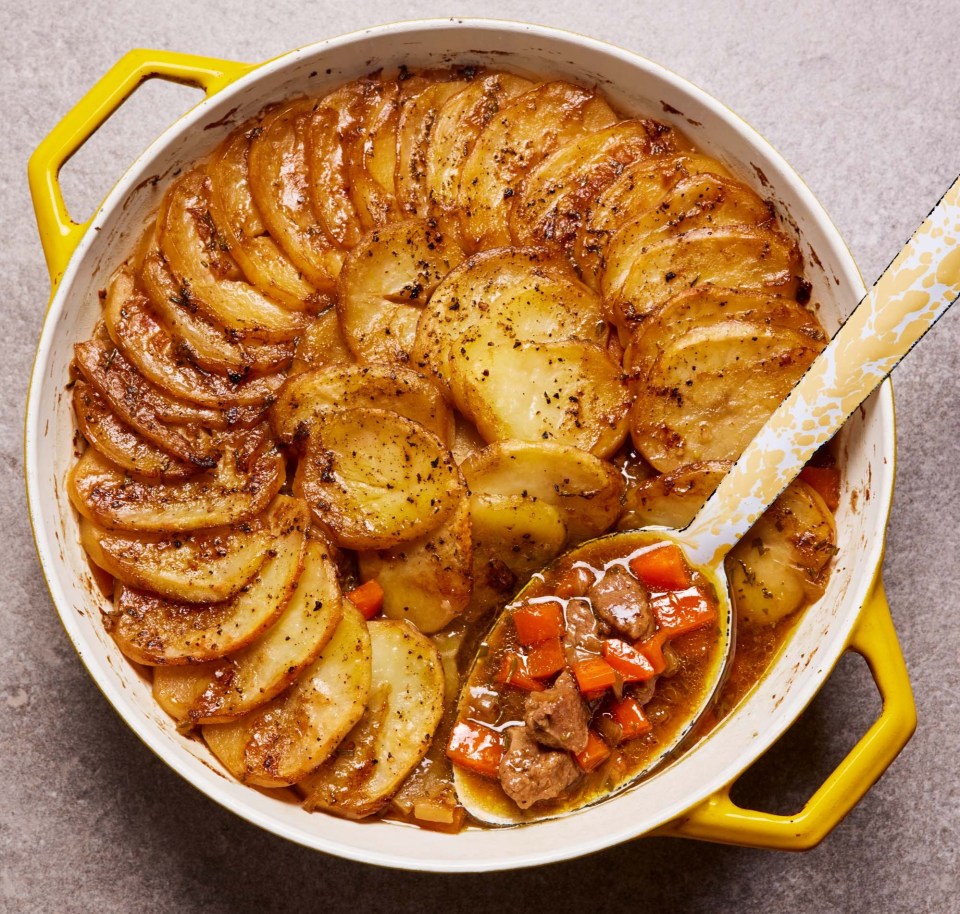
(919, 285)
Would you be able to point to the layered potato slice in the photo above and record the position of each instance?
(458, 124)
(229, 494)
(121, 444)
(156, 631)
(198, 255)
(227, 689)
(516, 139)
(375, 479)
(386, 281)
(304, 399)
(781, 562)
(429, 580)
(403, 711)
(322, 344)
(585, 489)
(280, 186)
(671, 499)
(236, 213)
(559, 193)
(134, 329)
(638, 189)
(282, 742)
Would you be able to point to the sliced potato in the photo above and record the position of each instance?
(228, 495)
(559, 193)
(198, 255)
(404, 709)
(322, 344)
(737, 257)
(306, 397)
(428, 580)
(513, 537)
(279, 183)
(374, 479)
(710, 390)
(673, 499)
(386, 281)
(522, 134)
(466, 440)
(281, 743)
(584, 488)
(224, 690)
(781, 562)
(235, 212)
(640, 188)
(201, 342)
(569, 392)
(459, 122)
(129, 320)
(154, 631)
(121, 444)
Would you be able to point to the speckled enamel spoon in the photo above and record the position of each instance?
(905, 302)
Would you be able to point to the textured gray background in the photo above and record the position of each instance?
(866, 106)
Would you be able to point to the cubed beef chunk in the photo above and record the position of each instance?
(582, 636)
(529, 773)
(557, 717)
(621, 601)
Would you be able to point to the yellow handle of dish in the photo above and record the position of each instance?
(720, 819)
(59, 234)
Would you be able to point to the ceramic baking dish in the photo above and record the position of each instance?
(690, 797)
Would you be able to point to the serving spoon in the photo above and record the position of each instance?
(913, 292)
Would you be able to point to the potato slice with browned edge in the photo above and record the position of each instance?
(672, 499)
(404, 708)
(523, 133)
(459, 122)
(306, 397)
(322, 344)
(374, 479)
(155, 631)
(386, 281)
(640, 187)
(204, 566)
(584, 488)
(280, 744)
(781, 562)
(279, 183)
(226, 689)
(513, 537)
(129, 320)
(559, 193)
(711, 389)
(201, 342)
(429, 580)
(570, 392)
(199, 257)
(228, 494)
(737, 257)
(235, 212)
(121, 444)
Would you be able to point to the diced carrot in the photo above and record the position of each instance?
(652, 649)
(682, 611)
(536, 622)
(476, 747)
(574, 583)
(546, 658)
(628, 713)
(595, 753)
(826, 482)
(627, 660)
(513, 671)
(368, 598)
(594, 675)
(662, 568)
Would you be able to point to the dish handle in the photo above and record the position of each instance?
(719, 819)
(59, 233)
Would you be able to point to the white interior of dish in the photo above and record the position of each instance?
(636, 86)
